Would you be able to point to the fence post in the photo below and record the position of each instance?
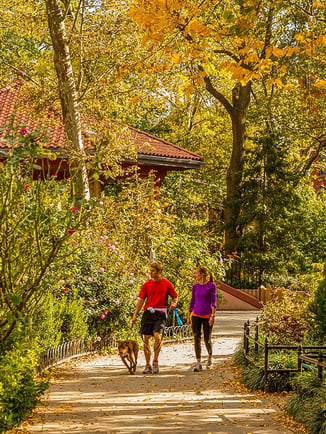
(266, 365)
(246, 340)
(320, 368)
(256, 334)
(300, 351)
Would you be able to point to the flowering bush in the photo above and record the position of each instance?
(285, 320)
(112, 256)
(36, 220)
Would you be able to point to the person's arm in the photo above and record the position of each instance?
(191, 306)
(174, 304)
(213, 304)
(139, 305)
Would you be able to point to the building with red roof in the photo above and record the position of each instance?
(152, 154)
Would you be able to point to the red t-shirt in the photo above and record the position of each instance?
(157, 293)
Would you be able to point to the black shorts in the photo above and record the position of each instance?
(152, 323)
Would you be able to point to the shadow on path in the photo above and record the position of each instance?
(96, 395)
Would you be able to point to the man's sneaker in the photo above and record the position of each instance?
(209, 363)
(148, 369)
(156, 369)
(198, 367)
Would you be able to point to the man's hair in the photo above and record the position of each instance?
(157, 265)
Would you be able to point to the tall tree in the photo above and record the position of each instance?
(231, 49)
(68, 98)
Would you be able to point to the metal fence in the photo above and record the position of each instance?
(312, 355)
(81, 347)
(177, 333)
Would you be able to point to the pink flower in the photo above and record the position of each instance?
(101, 270)
(65, 289)
(70, 231)
(98, 338)
(68, 178)
(131, 274)
(102, 316)
(110, 246)
(122, 257)
(23, 131)
(74, 209)
(89, 279)
(131, 282)
(105, 312)
(54, 173)
(117, 302)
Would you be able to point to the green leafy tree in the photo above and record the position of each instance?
(232, 50)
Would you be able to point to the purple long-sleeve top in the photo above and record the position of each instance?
(203, 298)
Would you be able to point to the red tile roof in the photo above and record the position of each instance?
(11, 103)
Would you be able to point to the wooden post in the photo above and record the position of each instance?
(320, 368)
(299, 360)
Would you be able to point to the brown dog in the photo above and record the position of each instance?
(128, 351)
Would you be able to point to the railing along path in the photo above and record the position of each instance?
(81, 347)
(314, 355)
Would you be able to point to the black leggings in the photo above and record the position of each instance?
(197, 323)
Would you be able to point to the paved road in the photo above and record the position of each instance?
(97, 395)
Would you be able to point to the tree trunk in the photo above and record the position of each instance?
(240, 103)
(69, 100)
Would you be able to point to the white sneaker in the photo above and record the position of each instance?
(156, 369)
(198, 367)
(209, 363)
(147, 369)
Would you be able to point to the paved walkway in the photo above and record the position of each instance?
(96, 394)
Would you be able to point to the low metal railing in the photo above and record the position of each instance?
(177, 333)
(62, 352)
(80, 347)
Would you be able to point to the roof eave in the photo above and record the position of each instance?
(150, 160)
(185, 163)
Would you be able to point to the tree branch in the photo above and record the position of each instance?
(215, 93)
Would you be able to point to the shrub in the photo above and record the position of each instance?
(307, 405)
(318, 309)
(252, 372)
(285, 321)
(59, 318)
(19, 390)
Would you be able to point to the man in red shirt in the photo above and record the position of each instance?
(155, 291)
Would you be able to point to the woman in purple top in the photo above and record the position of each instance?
(201, 313)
